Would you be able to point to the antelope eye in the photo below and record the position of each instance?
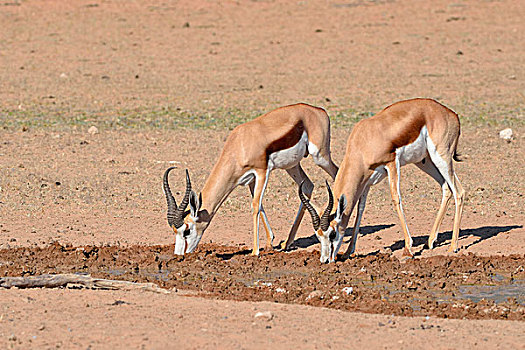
(332, 235)
(186, 232)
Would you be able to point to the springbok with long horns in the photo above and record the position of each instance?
(276, 140)
(418, 131)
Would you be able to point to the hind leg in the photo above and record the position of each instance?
(460, 196)
(298, 175)
(445, 166)
(428, 167)
(323, 159)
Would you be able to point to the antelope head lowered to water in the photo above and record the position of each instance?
(279, 139)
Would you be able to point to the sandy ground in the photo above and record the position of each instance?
(65, 66)
(74, 319)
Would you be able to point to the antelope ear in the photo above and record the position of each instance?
(341, 206)
(195, 203)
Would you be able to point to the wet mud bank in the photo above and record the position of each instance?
(462, 286)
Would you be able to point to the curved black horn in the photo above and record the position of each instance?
(172, 204)
(311, 210)
(325, 219)
(179, 214)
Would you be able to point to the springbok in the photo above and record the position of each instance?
(418, 131)
(276, 140)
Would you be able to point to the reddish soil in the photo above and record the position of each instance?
(75, 202)
(379, 283)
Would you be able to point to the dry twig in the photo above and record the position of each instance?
(86, 281)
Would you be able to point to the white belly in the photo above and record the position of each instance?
(415, 151)
(290, 157)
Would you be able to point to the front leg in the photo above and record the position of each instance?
(393, 177)
(360, 209)
(261, 180)
(269, 233)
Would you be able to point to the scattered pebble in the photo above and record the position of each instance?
(347, 290)
(93, 130)
(265, 315)
(315, 294)
(506, 134)
(262, 283)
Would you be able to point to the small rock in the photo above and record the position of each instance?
(93, 130)
(347, 290)
(315, 294)
(262, 283)
(506, 134)
(265, 315)
(63, 75)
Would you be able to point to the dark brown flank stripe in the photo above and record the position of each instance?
(290, 139)
(408, 134)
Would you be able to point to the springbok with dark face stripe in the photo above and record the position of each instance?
(418, 131)
(276, 140)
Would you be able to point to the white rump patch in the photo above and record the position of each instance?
(318, 159)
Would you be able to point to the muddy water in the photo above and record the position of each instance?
(463, 286)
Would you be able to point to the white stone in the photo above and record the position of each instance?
(265, 315)
(93, 130)
(506, 134)
(315, 294)
(347, 290)
(262, 283)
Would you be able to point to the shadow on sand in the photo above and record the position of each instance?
(306, 242)
(228, 256)
(483, 233)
